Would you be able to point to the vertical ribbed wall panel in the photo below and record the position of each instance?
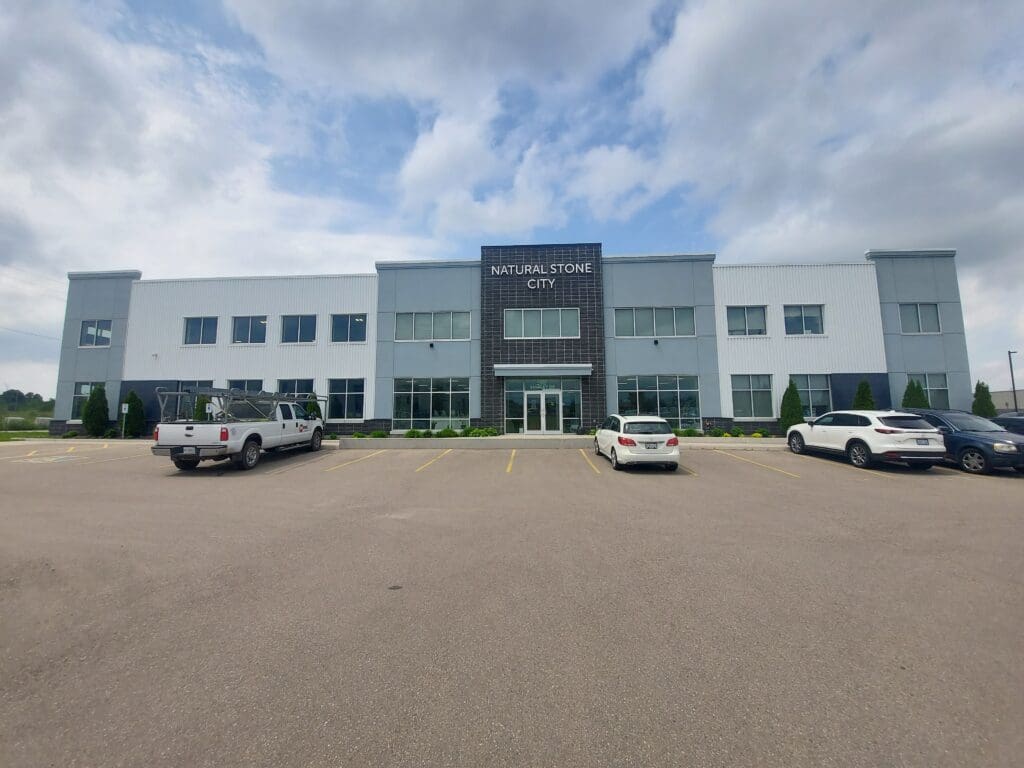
(852, 341)
(155, 348)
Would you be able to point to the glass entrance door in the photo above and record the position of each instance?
(543, 413)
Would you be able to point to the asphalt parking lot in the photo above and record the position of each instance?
(477, 608)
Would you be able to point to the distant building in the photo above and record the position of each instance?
(1004, 400)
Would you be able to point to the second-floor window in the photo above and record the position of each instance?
(295, 386)
(200, 330)
(297, 329)
(246, 385)
(654, 321)
(919, 318)
(95, 333)
(250, 329)
(542, 323)
(802, 319)
(348, 327)
(431, 326)
(746, 321)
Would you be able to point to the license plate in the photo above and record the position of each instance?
(650, 445)
(922, 441)
(188, 450)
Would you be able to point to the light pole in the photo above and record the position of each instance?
(1013, 383)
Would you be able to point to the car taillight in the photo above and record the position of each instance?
(156, 434)
(672, 441)
(223, 434)
(626, 441)
(885, 431)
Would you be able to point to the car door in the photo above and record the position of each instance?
(819, 431)
(286, 425)
(606, 435)
(947, 431)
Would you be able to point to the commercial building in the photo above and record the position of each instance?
(530, 338)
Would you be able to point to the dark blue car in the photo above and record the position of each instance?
(1011, 422)
(977, 445)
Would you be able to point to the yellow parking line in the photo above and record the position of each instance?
(32, 453)
(70, 449)
(688, 470)
(587, 459)
(758, 464)
(354, 461)
(102, 461)
(436, 458)
(511, 458)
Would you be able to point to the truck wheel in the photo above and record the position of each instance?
(250, 455)
(316, 440)
(186, 464)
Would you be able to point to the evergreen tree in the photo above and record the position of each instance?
(914, 396)
(96, 413)
(313, 406)
(135, 420)
(983, 405)
(199, 412)
(792, 410)
(864, 398)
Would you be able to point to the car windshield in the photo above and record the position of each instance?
(905, 422)
(647, 428)
(971, 423)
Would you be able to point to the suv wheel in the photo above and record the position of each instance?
(859, 454)
(974, 461)
(796, 443)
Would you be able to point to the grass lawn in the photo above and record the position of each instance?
(21, 434)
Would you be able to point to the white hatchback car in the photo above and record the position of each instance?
(867, 436)
(637, 440)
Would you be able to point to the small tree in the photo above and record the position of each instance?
(983, 405)
(135, 419)
(313, 406)
(792, 410)
(96, 413)
(864, 398)
(199, 412)
(914, 396)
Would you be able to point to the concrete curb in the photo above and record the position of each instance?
(568, 442)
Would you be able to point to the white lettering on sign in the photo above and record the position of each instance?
(526, 270)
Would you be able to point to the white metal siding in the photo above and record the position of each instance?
(852, 341)
(156, 324)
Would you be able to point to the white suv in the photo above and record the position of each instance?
(867, 436)
(637, 440)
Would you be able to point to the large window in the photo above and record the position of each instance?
(246, 385)
(431, 403)
(431, 326)
(542, 323)
(82, 391)
(935, 386)
(919, 318)
(675, 398)
(95, 333)
(815, 393)
(515, 401)
(348, 327)
(752, 396)
(746, 321)
(250, 329)
(295, 386)
(298, 329)
(200, 330)
(654, 321)
(345, 399)
(803, 319)
(186, 405)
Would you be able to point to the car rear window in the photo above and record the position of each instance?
(647, 428)
(905, 422)
(971, 423)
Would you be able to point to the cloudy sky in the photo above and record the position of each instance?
(197, 137)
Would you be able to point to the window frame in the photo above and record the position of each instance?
(350, 316)
(809, 407)
(253, 320)
(76, 396)
(246, 383)
(750, 390)
(298, 330)
(202, 331)
(348, 396)
(296, 393)
(521, 311)
(746, 320)
(654, 320)
(803, 319)
(657, 384)
(424, 389)
(95, 325)
(432, 314)
(917, 312)
(924, 380)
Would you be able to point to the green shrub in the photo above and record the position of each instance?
(413, 433)
(199, 412)
(690, 432)
(737, 432)
(864, 398)
(71, 433)
(135, 420)
(427, 433)
(592, 432)
(447, 432)
(757, 434)
(792, 410)
(466, 432)
(110, 433)
(717, 432)
(313, 406)
(983, 405)
(332, 436)
(95, 414)
(358, 435)
(378, 433)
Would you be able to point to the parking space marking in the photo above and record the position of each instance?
(104, 461)
(688, 471)
(587, 459)
(757, 463)
(296, 464)
(436, 458)
(512, 458)
(355, 461)
(32, 453)
(70, 449)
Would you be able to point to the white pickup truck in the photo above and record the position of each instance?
(242, 426)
